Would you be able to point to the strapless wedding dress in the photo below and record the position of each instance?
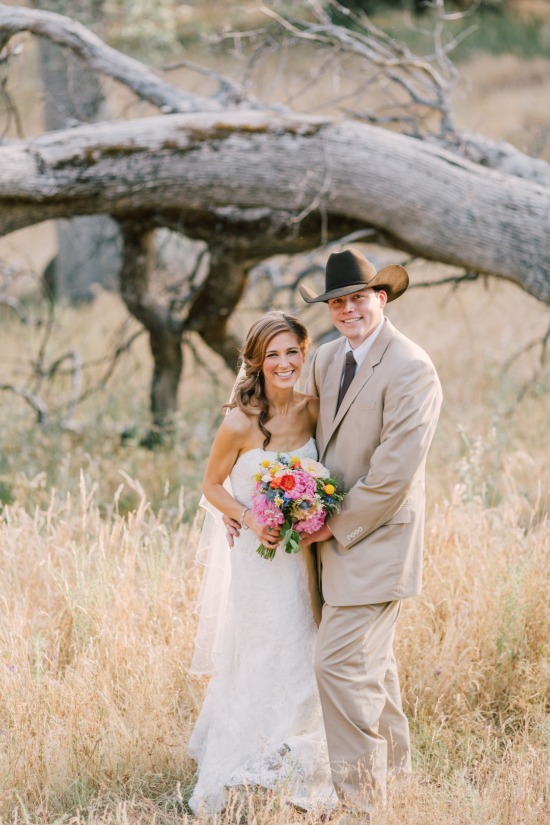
(261, 721)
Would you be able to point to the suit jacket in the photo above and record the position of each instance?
(376, 445)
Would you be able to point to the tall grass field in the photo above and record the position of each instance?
(98, 534)
(98, 581)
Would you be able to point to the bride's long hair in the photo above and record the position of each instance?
(249, 392)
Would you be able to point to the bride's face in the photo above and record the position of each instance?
(283, 361)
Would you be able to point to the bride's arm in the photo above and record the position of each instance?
(229, 441)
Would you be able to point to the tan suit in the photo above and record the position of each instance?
(376, 445)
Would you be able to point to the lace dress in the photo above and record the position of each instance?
(261, 721)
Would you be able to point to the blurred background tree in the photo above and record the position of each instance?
(290, 59)
(88, 247)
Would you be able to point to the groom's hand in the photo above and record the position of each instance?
(322, 534)
(232, 527)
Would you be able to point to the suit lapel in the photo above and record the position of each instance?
(331, 386)
(362, 376)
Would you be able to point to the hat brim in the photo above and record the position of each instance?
(393, 279)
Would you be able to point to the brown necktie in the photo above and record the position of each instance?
(349, 372)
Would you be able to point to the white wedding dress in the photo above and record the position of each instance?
(261, 721)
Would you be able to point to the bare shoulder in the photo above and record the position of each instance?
(237, 424)
(310, 403)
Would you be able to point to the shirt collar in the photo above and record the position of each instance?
(360, 352)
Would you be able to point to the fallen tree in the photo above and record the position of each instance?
(253, 180)
(422, 199)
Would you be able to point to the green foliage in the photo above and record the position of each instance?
(6, 494)
(495, 28)
(146, 28)
(503, 34)
(372, 7)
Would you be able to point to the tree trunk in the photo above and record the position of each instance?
(138, 261)
(88, 247)
(168, 365)
(426, 200)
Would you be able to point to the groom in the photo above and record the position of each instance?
(379, 403)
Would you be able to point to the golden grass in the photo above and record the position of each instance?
(97, 587)
(97, 581)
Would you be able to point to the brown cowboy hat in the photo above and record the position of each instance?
(349, 271)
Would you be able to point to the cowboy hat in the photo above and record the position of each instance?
(349, 271)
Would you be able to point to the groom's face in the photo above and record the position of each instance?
(358, 314)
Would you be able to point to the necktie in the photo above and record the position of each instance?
(349, 372)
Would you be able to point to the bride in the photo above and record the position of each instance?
(261, 721)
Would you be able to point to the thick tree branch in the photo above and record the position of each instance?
(425, 84)
(102, 58)
(500, 156)
(239, 240)
(427, 201)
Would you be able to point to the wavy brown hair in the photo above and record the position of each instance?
(249, 393)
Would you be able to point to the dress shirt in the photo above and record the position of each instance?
(360, 352)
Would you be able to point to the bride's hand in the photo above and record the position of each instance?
(268, 536)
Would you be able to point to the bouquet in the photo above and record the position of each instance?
(296, 493)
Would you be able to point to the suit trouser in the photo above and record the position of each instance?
(367, 731)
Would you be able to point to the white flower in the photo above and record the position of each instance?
(314, 468)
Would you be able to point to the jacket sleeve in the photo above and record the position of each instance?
(411, 405)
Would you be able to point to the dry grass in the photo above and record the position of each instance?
(97, 587)
(97, 581)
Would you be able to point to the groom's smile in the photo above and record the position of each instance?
(358, 314)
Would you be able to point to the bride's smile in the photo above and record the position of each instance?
(283, 362)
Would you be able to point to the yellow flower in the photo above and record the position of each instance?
(266, 462)
(295, 461)
(329, 489)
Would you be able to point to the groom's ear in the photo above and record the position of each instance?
(383, 295)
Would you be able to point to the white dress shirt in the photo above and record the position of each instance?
(360, 352)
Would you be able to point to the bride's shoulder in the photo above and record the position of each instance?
(310, 403)
(237, 422)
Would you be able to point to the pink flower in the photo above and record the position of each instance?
(305, 486)
(311, 524)
(266, 511)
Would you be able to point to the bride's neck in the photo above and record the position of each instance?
(280, 401)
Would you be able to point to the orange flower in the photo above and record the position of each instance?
(329, 489)
(288, 482)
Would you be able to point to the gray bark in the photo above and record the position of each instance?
(500, 156)
(237, 240)
(102, 58)
(138, 263)
(424, 199)
(88, 247)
